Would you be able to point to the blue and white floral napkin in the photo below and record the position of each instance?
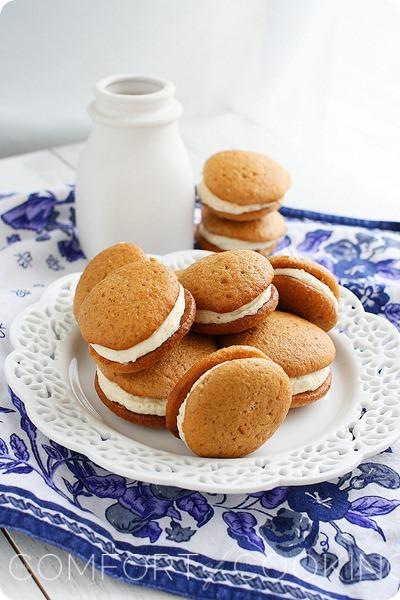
(338, 539)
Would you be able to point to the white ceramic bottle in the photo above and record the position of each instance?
(134, 181)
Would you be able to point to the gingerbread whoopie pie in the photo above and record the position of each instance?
(216, 234)
(303, 350)
(242, 186)
(135, 315)
(306, 289)
(103, 264)
(142, 397)
(229, 403)
(232, 291)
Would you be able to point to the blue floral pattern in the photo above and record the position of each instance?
(307, 542)
(43, 213)
(360, 265)
(290, 522)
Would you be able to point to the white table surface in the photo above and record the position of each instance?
(40, 570)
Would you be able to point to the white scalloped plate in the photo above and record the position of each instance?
(51, 372)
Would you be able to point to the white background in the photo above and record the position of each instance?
(314, 83)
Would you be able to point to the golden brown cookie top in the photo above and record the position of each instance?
(270, 227)
(159, 380)
(235, 399)
(298, 346)
(129, 305)
(226, 281)
(245, 177)
(310, 266)
(103, 264)
(183, 386)
(236, 408)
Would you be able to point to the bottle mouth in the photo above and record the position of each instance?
(123, 100)
(134, 89)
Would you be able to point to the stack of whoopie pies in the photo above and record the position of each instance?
(154, 336)
(241, 193)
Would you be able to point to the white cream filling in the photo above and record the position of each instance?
(166, 329)
(310, 280)
(137, 404)
(251, 308)
(182, 409)
(309, 382)
(180, 418)
(211, 200)
(228, 243)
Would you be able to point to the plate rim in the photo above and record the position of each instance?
(170, 477)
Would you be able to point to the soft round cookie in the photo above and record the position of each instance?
(216, 234)
(103, 264)
(303, 350)
(229, 403)
(306, 289)
(142, 397)
(135, 315)
(242, 186)
(232, 291)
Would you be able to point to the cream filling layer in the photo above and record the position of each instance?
(137, 404)
(211, 200)
(228, 243)
(166, 329)
(310, 280)
(180, 418)
(251, 308)
(309, 382)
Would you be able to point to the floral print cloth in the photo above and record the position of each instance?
(337, 539)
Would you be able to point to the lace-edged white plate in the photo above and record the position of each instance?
(50, 370)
